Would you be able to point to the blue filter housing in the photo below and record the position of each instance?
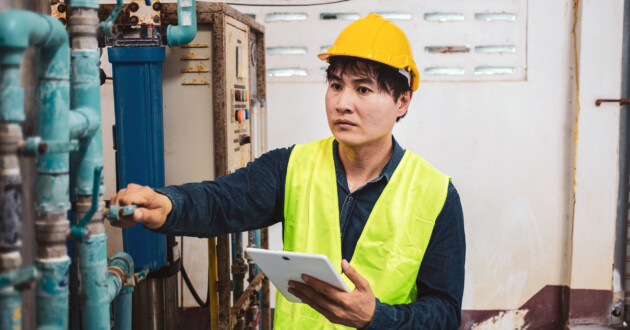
(139, 141)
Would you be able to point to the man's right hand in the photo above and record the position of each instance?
(153, 207)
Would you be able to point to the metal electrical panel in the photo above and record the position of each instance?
(188, 111)
(208, 100)
(237, 81)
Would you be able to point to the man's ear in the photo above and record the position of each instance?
(403, 102)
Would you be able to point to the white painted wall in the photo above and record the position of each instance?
(509, 145)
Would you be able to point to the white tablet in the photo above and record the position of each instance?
(283, 266)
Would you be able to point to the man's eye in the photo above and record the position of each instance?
(335, 86)
(364, 90)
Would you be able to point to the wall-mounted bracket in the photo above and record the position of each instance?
(598, 102)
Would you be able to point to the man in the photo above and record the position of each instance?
(391, 221)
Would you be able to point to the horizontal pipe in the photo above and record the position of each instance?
(79, 123)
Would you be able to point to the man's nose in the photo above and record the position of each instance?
(345, 101)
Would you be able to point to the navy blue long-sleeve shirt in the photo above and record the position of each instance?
(253, 197)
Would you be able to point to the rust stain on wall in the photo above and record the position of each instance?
(505, 320)
(195, 82)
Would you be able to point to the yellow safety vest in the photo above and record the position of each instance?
(391, 247)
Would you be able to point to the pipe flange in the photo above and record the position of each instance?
(10, 137)
(116, 271)
(52, 251)
(10, 260)
(96, 227)
(83, 203)
(51, 216)
(55, 232)
(239, 268)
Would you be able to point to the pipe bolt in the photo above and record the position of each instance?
(156, 19)
(133, 20)
(42, 147)
(133, 7)
(61, 8)
(157, 6)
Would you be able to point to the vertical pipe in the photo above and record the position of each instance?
(51, 224)
(266, 306)
(10, 309)
(212, 284)
(621, 225)
(10, 222)
(122, 311)
(123, 302)
(85, 95)
(94, 294)
(18, 30)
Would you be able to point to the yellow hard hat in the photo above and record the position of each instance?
(377, 39)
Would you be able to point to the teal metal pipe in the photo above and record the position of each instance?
(11, 94)
(10, 308)
(53, 96)
(98, 287)
(123, 302)
(52, 293)
(53, 72)
(95, 283)
(122, 310)
(93, 4)
(10, 298)
(86, 98)
(186, 28)
(109, 23)
(80, 123)
(18, 30)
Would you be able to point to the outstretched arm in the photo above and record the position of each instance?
(249, 198)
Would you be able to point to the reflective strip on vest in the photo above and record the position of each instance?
(391, 247)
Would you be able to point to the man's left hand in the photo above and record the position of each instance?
(354, 309)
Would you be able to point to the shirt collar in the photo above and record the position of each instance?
(387, 171)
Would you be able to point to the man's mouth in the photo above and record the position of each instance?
(342, 122)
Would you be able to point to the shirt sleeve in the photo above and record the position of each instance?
(440, 280)
(250, 198)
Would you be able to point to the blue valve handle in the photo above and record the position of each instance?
(116, 211)
(78, 231)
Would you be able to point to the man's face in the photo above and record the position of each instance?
(359, 114)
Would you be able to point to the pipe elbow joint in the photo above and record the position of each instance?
(84, 122)
(123, 261)
(186, 28)
(180, 35)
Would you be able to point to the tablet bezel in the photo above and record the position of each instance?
(283, 266)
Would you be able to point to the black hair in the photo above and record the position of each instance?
(388, 79)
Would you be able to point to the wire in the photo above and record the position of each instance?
(193, 291)
(284, 5)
